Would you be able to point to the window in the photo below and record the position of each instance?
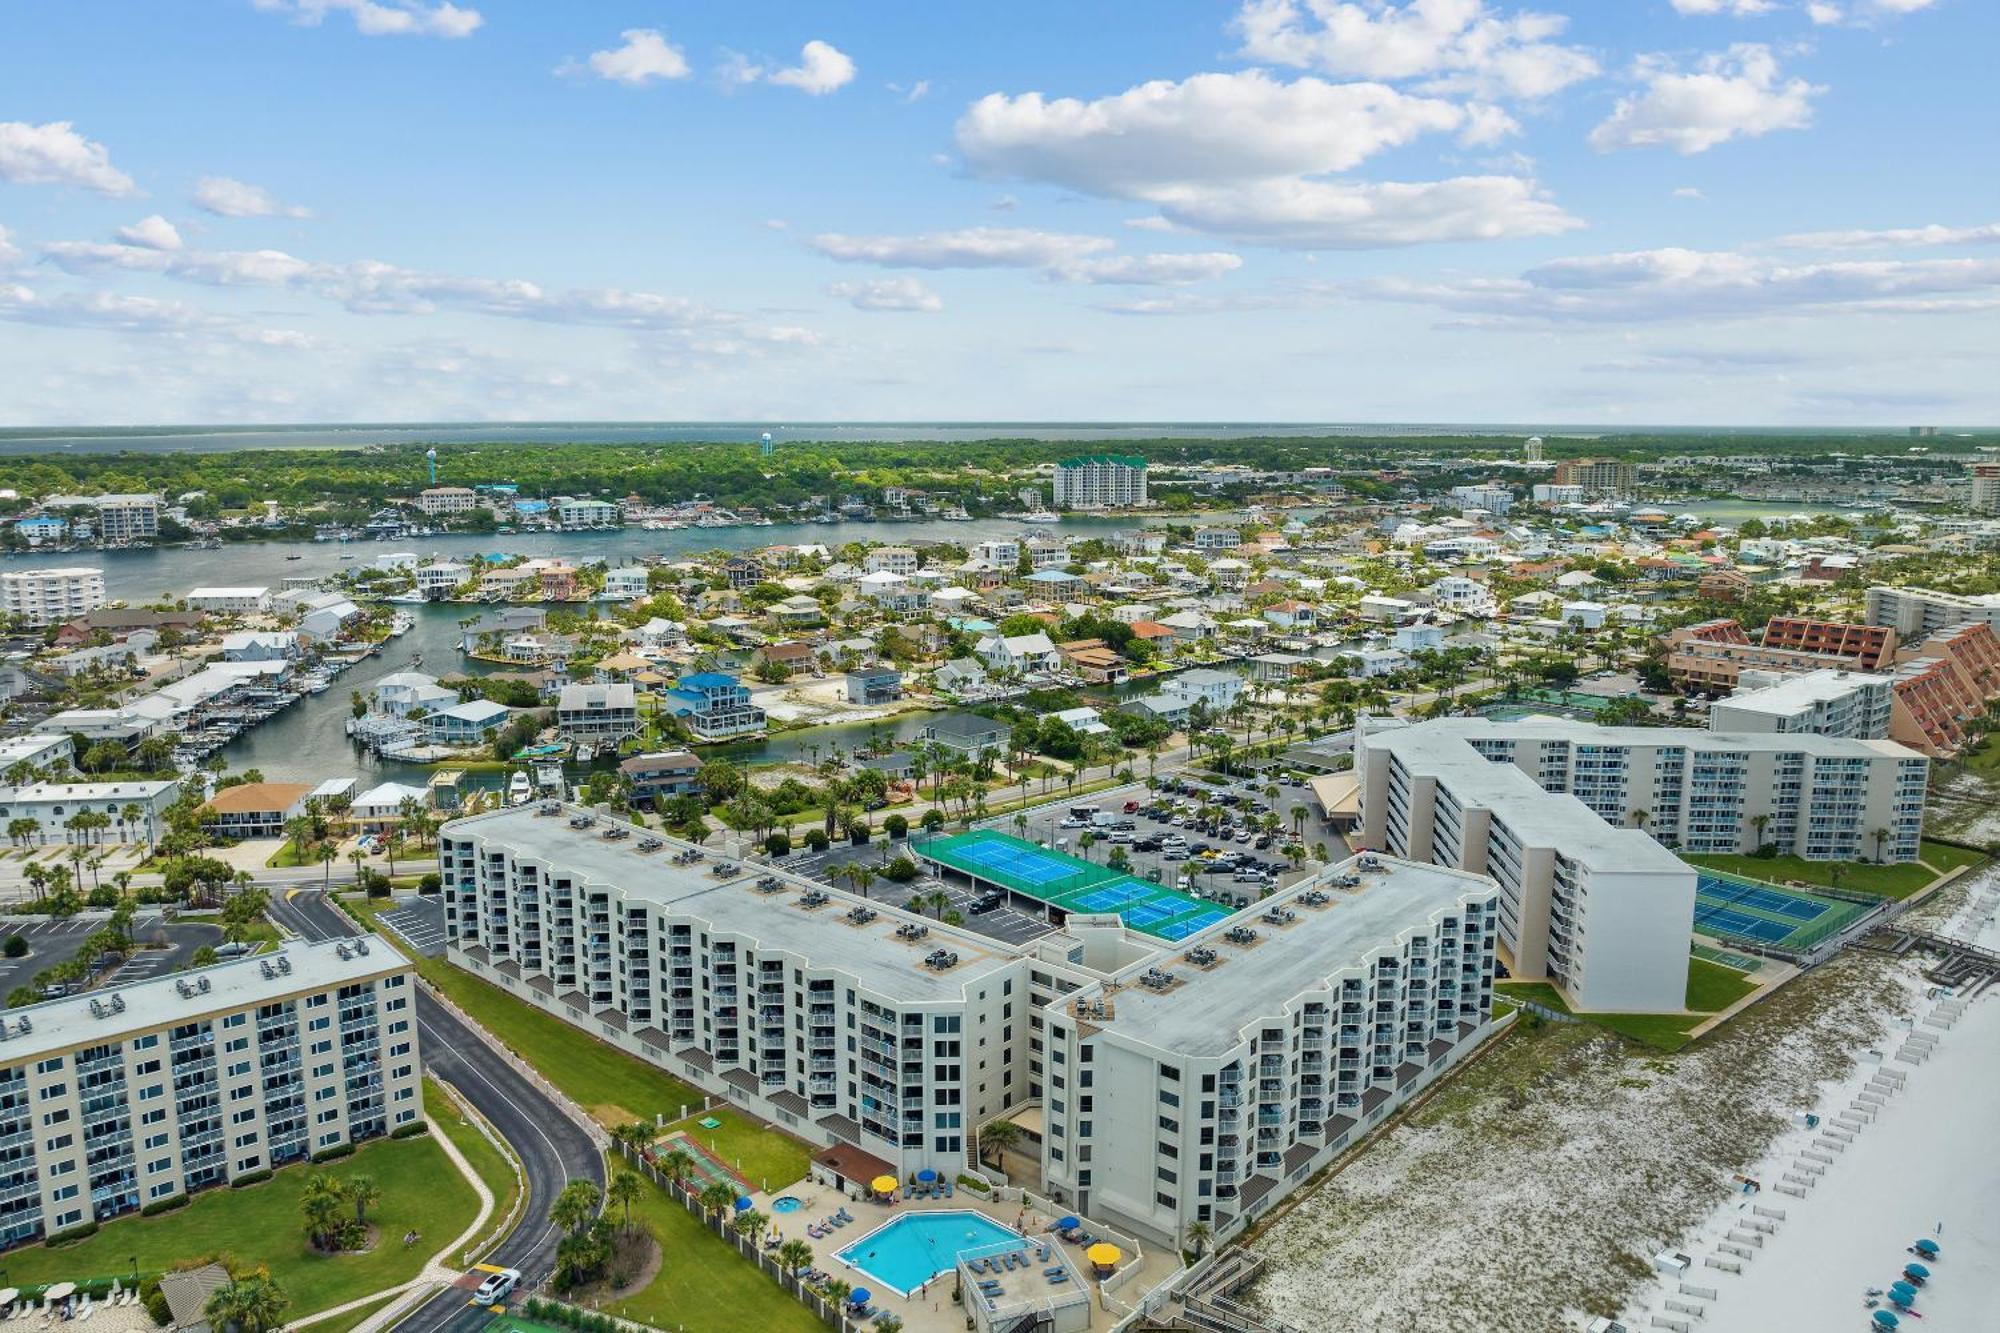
(51, 1092)
(236, 1020)
(145, 1067)
(1170, 1099)
(55, 1117)
(147, 1042)
(156, 1141)
(51, 1065)
(158, 1165)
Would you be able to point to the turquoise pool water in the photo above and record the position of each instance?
(785, 1203)
(905, 1252)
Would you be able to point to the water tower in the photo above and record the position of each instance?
(766, 446)
(431, 457)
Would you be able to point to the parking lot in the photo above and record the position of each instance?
(52, 942)
(420, 924)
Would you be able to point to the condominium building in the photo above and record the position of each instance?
(1917, 613)
(132, 809)
(1205, 1086)
(891, 1037)
(1547, 493)
(447, 500)
(1101, 481)
(1597, 476)
(1983, 480)
(1828, 702)
(1714, 654)
(52, 595)
(128, 518)
(1494, 499)
(571, 513)
(126, 1096)
(1869, 647)
(1602, 912)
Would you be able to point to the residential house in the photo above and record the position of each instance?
(253, 810)
(893, 559)
(471, 723)
(439, 579)
(715, 706)
(959, 675)
(594, 712)
(1025, 653)
(790, 656)
(1218, 689)
(1293, 615)
(381, 808)
(658, 776)
(626, 583)
(243, 601)
(1095, 660)
(1189, 626)
(1217, 539)
(797, 612)
(967, 734)
(400, 692)
(874, 685)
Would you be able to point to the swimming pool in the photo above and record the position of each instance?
(785, 1203)
(905, 1252)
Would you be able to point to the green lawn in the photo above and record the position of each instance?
(260, 1225)
(614, 1087)
(487, 1162)
(1891, 881)
(1711, 988)
(704, 1282)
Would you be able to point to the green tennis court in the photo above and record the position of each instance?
(1071, 883)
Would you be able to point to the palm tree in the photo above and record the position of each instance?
(999, 1135)
(624, 1191)
(716, 1197)
(363, 1193)
(836, 1291)
(576, 1207)
(677, 1165)
(1760, 823)
(795, 1255)
(252, 1304)
(322, 1201)
(328, 854)
(861, 877)
(1198, 1234)
(1880, 835)
(749, 1223)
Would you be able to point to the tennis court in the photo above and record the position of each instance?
(1071, 883)
(1729, 907)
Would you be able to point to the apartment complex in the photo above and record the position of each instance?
(447, 500)
(893, 1037)
(132, 809)
(1493, 498)
(1714, 654)
(1827, 702)
(128, 518)
(120, 1098)
(1597, 476)
(1101, 481)
(1983, 481)
(1918, 613)
(1603, 912)
(1203, 1087)
(53, 595)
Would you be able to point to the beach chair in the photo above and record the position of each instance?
(1052, 1271)
(1058, 1278)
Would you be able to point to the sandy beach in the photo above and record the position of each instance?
(1925, 1167)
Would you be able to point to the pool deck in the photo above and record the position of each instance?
(934, 1311)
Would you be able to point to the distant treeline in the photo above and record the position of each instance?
(734, 473)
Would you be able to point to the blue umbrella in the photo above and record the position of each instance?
(1915, 1270)
(1067, 1224)
(743, 1203)
(926, 1175)
(1902, 1293)
(1887, 1319)
(859, 1296)
(1926, 1246)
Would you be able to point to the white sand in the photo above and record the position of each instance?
(1929, 1158)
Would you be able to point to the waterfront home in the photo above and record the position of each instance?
(958, 675)
(874, 685)
(1218, 689)
(672, 773)
(381, 807)
(797, 612)
(626, 583)
(715, 706)
(441, 578)
(253, 809)
(1292, 615)
(469, 723)
(967, 734)
(252, 645)
(400, 692)
(1024, 653)
(1096, 661)
(597, 712)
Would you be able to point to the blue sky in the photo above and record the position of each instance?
(1619, 211)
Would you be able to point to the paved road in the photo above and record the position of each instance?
(552, 1150)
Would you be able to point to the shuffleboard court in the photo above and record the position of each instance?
(1071, 883)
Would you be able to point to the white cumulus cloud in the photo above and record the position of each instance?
(231, 198)
(151, 233)
(1249, 157)
(822, 68)
(897, 294)
(55, 154)
(1464, 45)
(384, 18)
(969, 247)
(646, 55)
(1731, 94)
(10, 254)
(1742, 9)
(1988, 234)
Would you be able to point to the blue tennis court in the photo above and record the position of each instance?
(1072, 884)
(1728, 921)
(1728, 905)
(1109, 898)
(1026, 864)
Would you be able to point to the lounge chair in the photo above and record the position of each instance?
(815, 1232)
(1057, 1278)
(1042, 1253)
(1054, 1271)
(844, 1215)
(947, 1189)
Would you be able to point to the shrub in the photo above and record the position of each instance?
(896, 826)
(250, 1178)
(335, 1153)
(430, 883)
(411, 1130)
(859, 837)
(973, 1183)
(158, 1206)
(817, 840)
(900, 871)
(15, 947)
(778, 844)
(74, 1233)
(156, 1305)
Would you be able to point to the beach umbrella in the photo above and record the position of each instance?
(60, 1291)
(926, 1175)
(1915, 1270)
(1104, 1254)
(883, 1184)
(10, 1295)
(1067, 1224)
(1887, 1319)
(1902, 1293)
(859, 1296)
(1926, 1246)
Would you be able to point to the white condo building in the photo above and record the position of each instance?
(126, 1096)
(1101, 481)
(53, 595)
(1553, 810)
(890, 1037)
(1918, 613)
(1831, 702)
(128, 518)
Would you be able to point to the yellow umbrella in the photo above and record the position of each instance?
(884, 1185)
(1104, 1254)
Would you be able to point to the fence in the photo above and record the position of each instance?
(767, 1262)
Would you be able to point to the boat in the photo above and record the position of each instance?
(295, 557)
(955, 514)
(410, 598)
(519, 789)
(1041, 516)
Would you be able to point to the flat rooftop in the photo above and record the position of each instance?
(1206, 1011)
(823, 935)
(60, 1025)
(1589, 733)
(1798, 694)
